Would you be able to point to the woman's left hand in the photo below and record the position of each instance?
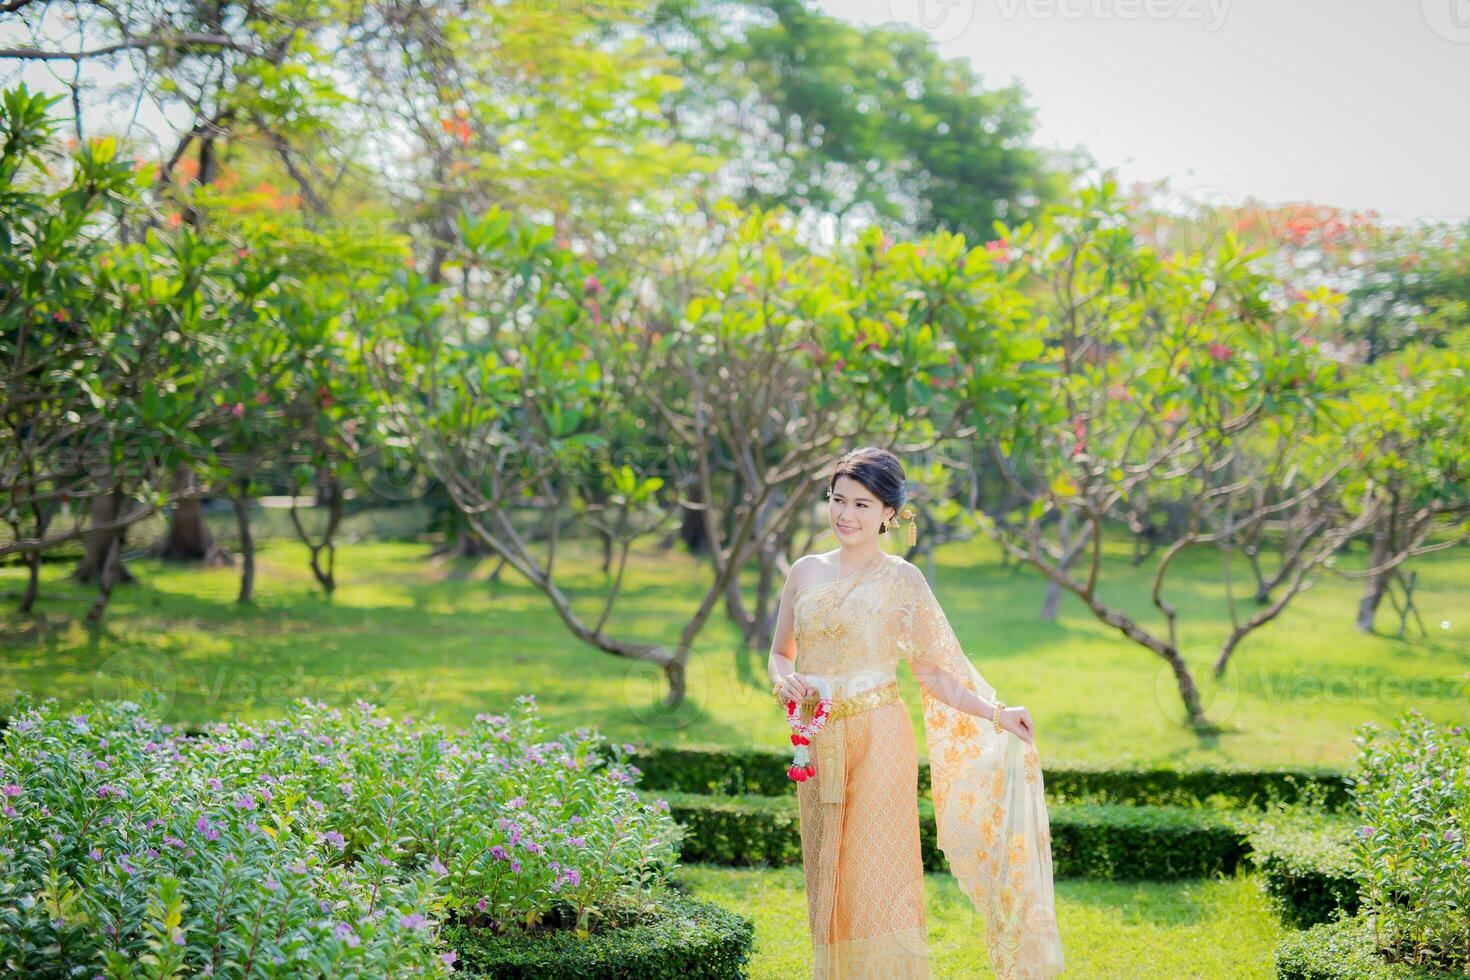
(1017, 720)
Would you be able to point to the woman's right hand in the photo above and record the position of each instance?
(794, 687)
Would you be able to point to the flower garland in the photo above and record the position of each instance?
(802, 768)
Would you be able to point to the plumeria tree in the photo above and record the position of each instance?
(115, 349)
(750, 359)
(1174, 376)
(1410, 433)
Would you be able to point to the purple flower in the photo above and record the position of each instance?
(246, 801)
(335, 839)
(9, 810)
(1366, 831)
(103, 792)
(172, 842)
(533, 847)
(449, 957)
(499, 852)
(384, 860)
(437, 867)
(95, 854)
(414, 920)
(271, 884)
(573, 877)
(514, 802)
(12, 789)
(515, 866)
(1451, 834)
(480, 904)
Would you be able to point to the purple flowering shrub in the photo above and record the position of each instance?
(1413, 795)
(333, 843)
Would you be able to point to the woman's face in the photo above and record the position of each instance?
(855, 514)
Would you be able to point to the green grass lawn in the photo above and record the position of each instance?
(1206, 928)
(421, 637)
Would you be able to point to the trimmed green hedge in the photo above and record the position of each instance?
(1105, 840)
(682, 937)
(762, 772)
(1307, 870)
(1343, 950)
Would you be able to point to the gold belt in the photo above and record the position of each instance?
(828, 746)
(842, 707)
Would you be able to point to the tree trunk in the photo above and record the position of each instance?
(691, 525)
(606, 541)
(33, 581)
(464, 544)
(323, 570)
(105, 507)
(108, 576)
(1053, 596)
(189, 537)
(247, 543)
(1376, 583)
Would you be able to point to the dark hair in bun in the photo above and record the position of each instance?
(878, 470)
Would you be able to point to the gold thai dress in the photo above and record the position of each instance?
(859, 813)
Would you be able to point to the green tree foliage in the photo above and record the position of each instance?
(833, 119)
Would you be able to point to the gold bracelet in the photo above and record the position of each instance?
(995, 717)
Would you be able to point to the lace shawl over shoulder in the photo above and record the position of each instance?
(989, 800)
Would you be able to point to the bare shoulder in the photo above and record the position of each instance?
(810, 569)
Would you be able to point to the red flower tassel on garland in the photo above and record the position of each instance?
(802, 768)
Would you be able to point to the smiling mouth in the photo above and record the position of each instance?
(844, 527)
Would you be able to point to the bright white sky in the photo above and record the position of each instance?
(1362, 104)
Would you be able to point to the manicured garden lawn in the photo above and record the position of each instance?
(421, 637)
(417, 636)
(1110, 929)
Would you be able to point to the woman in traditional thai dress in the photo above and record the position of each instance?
(848, 617)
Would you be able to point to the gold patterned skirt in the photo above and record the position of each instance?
(860, 843)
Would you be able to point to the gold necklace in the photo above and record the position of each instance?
(838, 630)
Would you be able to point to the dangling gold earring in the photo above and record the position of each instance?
(908, 514)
